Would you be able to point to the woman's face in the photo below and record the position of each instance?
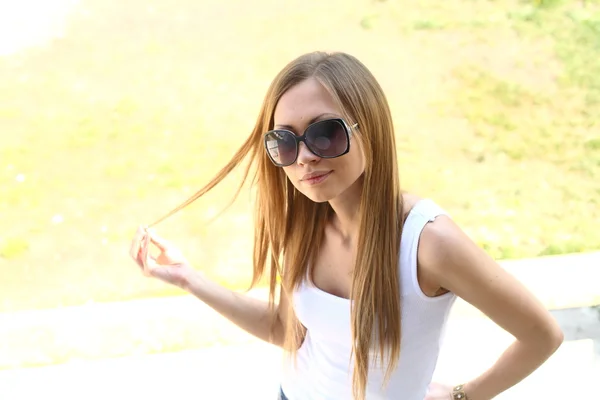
(320, 179)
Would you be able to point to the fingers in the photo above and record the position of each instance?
(137, 242)
(144, 252)
(151, 264)
(158, 241)
(140, 251)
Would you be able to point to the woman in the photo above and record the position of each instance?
(368, 274)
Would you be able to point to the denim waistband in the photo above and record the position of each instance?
(282, 395)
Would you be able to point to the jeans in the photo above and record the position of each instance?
(282, 395)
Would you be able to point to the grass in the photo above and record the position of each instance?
(138, 105)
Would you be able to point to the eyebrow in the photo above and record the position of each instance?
(312, 121)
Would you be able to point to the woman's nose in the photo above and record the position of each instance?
(305, 156)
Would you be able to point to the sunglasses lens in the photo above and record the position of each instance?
(281, 146)
(327, 138)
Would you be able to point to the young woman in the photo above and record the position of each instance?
(367, 274)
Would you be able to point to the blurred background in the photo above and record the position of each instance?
(114, 112)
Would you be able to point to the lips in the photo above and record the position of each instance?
(315, 178)
(314, 175)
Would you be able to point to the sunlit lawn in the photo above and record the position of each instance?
(496, 106)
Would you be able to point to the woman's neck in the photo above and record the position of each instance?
(346, 208)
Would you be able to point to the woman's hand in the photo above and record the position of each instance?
(438, 391)
(169, 265)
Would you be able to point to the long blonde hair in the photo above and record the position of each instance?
(289, 227)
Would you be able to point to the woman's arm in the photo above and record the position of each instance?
(252, 315)
(449, 256)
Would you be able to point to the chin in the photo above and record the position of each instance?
(319, 199)
(318, 196)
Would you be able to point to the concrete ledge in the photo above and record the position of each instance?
(180, 323)
(579, 323)
(252, 371)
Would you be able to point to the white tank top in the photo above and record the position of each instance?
(324, 368)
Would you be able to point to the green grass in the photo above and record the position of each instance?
(495, 104)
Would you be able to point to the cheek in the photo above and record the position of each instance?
(291, 174)
(355, 161)
(360, 162)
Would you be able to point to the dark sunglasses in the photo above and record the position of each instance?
(329, 138)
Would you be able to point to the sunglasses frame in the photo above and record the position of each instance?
(347, 130)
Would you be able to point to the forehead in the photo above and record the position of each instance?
(301, 103)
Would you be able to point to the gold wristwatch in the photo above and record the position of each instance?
(458, 393)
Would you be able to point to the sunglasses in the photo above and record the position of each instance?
(329, 138)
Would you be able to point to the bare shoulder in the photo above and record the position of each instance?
(456, 263)
(408, 202)
(438, 240)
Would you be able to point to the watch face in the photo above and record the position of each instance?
(458, 393)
